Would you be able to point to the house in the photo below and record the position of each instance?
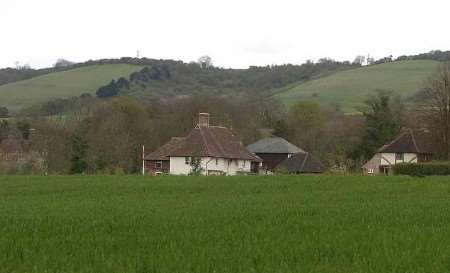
(215, 148)
(280, 155)
(158, 162)
(411, 146)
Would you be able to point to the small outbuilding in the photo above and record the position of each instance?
(279, 154)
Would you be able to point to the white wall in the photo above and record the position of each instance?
(389, 158)
(179, 167)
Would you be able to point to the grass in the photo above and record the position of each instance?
(64, 84)
(224, 224)
(350, 88)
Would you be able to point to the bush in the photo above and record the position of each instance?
(422, 169)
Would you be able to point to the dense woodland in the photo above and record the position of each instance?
(105, 133)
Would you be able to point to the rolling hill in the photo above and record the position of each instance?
(64, 84)
(350, 88)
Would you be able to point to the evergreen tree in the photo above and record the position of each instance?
(78, 160)
(384, 120)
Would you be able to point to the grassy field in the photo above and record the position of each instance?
(224, 224)
(350, 88)
(61, 84)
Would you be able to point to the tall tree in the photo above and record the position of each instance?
(306, 122)
(116, 132)
(384, 120)
(205, 61)
(437, 106)
(78, 159)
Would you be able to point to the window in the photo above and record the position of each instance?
(243, 164)
(399, 157)
(289, 155)
(217, 161)
(158, 164)
(236, 162)
(186, 160)
(370, 171)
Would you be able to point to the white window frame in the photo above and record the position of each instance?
(160, 163)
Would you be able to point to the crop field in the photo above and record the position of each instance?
(70, 83)
(224, 224)
(350, 88)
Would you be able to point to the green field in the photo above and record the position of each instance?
(350, 88)
(64, 84)
(224, 224)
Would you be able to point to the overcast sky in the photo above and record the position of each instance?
(235, 33)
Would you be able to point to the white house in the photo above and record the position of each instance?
(411, 146)
(219, 153)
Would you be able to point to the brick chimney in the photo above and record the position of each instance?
(203, 119)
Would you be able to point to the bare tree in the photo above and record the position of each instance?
(437, 106)
(63, 63)
(205, 61)
(360, 59)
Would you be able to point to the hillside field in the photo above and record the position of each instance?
(64, 84)
(350, 88)
(224, 224)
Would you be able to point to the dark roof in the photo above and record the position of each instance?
(212, 141)
(162, 152)
(301, 163)
(274, 145)
(410, 141)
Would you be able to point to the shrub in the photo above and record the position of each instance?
(422, 169)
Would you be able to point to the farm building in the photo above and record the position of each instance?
(280, 155)
(411, 146)
(211, 150)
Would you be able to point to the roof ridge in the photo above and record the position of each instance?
(304, 161)
(414, 141)
(204, 141)
(392, 142)
(218, 144)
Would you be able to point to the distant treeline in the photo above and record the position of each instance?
(8, 75)
(169, 78)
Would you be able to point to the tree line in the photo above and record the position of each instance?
(88, 134)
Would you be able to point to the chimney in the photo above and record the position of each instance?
(203, 120)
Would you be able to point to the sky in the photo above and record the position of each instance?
(234, 33)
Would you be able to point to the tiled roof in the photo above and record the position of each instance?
(301, 163)
(410, 141)
(162, 152)
(274, 145)
(213, 141)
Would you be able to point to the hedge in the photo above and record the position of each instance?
(422, 169)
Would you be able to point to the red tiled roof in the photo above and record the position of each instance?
(213, 141)
(162, 152)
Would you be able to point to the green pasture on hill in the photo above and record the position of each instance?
(349, 89)
(64, 84)
(224, 224)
